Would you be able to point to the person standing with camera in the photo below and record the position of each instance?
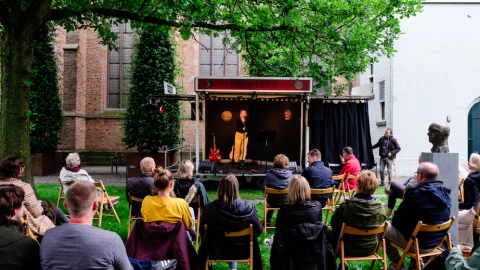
(389, 148)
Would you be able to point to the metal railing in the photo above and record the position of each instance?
(181, 152)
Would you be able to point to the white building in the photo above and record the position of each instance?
(434, 75)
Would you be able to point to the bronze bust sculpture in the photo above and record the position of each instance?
(438, 135)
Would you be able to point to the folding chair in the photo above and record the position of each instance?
(244, 232)
(350, 192)
(330, 207)
(476, 226)
(104, 198)
(197, 219)
(374, 257)
(460, 190)
(60, 195)
(266, 207)
(415, 255)
(337, 194)
(28, 232)
(135, 216)
(394, 168)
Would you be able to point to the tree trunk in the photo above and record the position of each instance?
(15, 96)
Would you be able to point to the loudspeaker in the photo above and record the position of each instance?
(315, 111)
(292, 166)
(208, 167)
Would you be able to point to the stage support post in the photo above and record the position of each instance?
(448, 173)
(197, 132)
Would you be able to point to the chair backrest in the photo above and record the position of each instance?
(322, 191)
(134, 199)
(99, 184)
(274, 191)
(244, 232)
(339, 178)
(352, 176)
(67, 184)
(197, 200)
(353, 231)
(434, 228)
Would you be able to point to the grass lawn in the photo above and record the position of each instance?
(50, 192)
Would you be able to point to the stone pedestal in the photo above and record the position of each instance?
(448, 173)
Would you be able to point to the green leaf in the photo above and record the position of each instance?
(186, 35)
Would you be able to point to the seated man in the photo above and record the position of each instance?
(17, 251)
(362, 211)
(429, 201)
(317, 175)
(79, 245)
(452, 259)
(350, 165)
(142, 185)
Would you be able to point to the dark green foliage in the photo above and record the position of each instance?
(46, 119)
(153, 63)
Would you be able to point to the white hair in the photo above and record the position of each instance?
(71, 159)
(146, 164)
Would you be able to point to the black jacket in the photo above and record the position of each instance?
(140, 187)
(189, 190)
(308, 212)
(428, 202)
(235, 218)
(17, 251)
(277, 178)
(319, 177)
(393, 147)
(305, 246)
(471, 187)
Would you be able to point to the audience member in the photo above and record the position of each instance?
(17, 251)
(277, 178)
(317, 175)
(40, 215)
(452, 259)
(388, 150)
(79, 245)
(187, 188)
(229, 213)
(163, 207)
(429, 202)
(471, 200)
(351, 165)
(142, 185)
(397, 190)
(363, 212)
(301, 240)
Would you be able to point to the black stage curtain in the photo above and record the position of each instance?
(343, 124)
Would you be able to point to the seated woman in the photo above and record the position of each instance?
(471, 187)
(17, 251)
(39, 214)
(73, 171)
(277, 178)
(363, 212)
(229, 213)
(162, 207)
(187, 188)
(452, 259)
(301, 240)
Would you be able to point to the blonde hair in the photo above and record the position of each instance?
(281, 161)
(475, 162)
(367, 182)
(185, 170)
(298, 190)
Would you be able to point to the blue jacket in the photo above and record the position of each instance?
(319, 177)
(471, 187)
(277, 178)
(429, 202)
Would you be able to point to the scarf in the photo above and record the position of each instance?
(73, 169)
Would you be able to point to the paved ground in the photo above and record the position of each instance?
(116, 179)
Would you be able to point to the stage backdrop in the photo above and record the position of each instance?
(266, 116)
(343, 124)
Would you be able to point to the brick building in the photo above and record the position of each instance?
(434, 76)
(94, 88)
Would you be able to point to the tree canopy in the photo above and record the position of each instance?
(318, 38)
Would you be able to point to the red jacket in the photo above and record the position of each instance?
(351, 166)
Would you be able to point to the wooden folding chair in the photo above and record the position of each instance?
(244, 232)
(460, 190)
(337, 194)
(340, 252)
(28, 232)
(61, 197)
(266, 207)
(135, 216)
(104, 198)
(197, 219)
(330, 207)
(416, 255)
(350, 192)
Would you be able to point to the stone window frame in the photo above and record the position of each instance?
(206, 43)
